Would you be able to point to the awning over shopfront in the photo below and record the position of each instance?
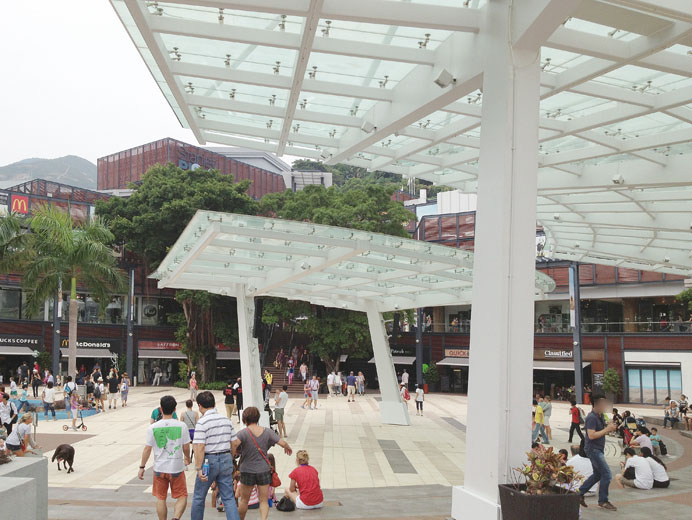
(16, 351)
(454, 362)
(400, 360)
(226, 355)
(160, 354)
(88, 352)
(556, 365)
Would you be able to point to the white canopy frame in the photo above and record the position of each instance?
(581, 120)
(247, 256)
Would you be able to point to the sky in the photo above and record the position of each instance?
(73, 83)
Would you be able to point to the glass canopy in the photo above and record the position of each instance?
(355, 82)
(227, 253)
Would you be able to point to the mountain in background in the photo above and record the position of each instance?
(70, 169)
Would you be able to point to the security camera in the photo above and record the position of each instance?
(367, 127)
(618, 179)
(444, 79)
(666, 259)
(556, 216)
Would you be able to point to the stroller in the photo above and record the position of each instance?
(272, 421)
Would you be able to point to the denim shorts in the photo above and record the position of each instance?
(256, 479)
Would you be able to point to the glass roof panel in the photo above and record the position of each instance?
(249, 19)
(644, 80)
(269, 96)
(358, 71)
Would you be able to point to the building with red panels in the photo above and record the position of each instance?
(118, 170)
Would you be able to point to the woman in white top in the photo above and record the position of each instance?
(658, 468)
(48, 397)
(643, 476)
(420, 396)
(20, 438)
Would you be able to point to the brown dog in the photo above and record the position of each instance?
(65, 454)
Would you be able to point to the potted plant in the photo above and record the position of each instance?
(547, 491)
(431, 378)
(611, 384)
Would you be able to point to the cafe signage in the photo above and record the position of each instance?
(457, 352)
(12, 340)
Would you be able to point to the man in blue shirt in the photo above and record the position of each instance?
(351, 387)
(596, 431)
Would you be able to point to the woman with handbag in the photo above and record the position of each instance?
(255, 468)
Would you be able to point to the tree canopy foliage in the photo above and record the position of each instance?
(150, 221)
(153, 217)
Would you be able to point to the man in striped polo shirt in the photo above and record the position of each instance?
(215, 439)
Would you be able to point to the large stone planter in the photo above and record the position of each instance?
(521, 506)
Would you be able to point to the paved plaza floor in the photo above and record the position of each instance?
(367, 470)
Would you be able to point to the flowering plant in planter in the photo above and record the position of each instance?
(544, 472)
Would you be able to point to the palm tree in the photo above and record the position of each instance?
(13, 241)
(63, 250)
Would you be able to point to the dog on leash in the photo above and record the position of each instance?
(65, 454)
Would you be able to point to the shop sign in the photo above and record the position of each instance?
(20, 341)
(400, 350)
(457, 352)
(148, 344)
(4, 199)
(557, 354)
(108, 344)
(20, 204)
(191, 158)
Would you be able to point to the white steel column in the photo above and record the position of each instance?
(501, 353)
(393, 410)
(250, 369)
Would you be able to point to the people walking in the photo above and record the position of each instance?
(303, 371)
(35, 382)
(238, 394)
(360, 380)
(170, 441)
(330, 383)
(190, 418)
(68, 389)
(215, 440)
(124, 388)
(306, 395)
(289, 372)
(157, 376)
(8, 413)
(404, 378)
(575, 423)
(420, 397)
(113, 388)
(596, 431)
(24, 398)
(280, 403)
(74, 408)
(547, 406)
(314, 391)
(351, 387)
(539, 420)
(255, 468)
(228, 400)
(100, 394)
(192, 386)
(337, 383)
(48, 397)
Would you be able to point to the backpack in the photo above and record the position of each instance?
(97, 391)
(68, 390)
(582, 420)
(663, 448)
(285, 504)
(159, 414)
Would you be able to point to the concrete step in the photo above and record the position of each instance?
(658, 421)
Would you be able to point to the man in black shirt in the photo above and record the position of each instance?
(113, 382)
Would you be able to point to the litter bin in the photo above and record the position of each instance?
(587, 398)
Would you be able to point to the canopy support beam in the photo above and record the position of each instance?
(249, 355)
(501, 350)
(393, 410)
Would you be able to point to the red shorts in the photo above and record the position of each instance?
(177, 483)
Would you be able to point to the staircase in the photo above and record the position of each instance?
(280, 379)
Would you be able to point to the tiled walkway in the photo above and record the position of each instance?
(368, 470)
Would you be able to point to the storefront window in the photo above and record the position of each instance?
(155, 311)
(40, 315)
(651, 385)
(664, 314)
(10, 303)
(89, 310)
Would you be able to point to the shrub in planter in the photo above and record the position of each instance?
(431, 376)
(544, 490)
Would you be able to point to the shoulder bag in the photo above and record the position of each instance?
(276, 481)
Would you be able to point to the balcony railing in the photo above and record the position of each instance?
(654, 327)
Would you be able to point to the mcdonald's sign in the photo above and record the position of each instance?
(20, 204)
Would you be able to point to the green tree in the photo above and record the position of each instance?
(13, 241)
(359, 205)
(150, 221)
(61, 250)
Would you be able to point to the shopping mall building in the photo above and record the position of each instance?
(631, 320)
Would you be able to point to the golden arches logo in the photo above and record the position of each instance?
(20, 204)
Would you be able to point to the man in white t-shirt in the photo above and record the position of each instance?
(330, 383)
(170, 441)
(404, 379)
(280, 405)
(582, 465)
(643, 476)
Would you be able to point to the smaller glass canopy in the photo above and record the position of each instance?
(229, 254)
